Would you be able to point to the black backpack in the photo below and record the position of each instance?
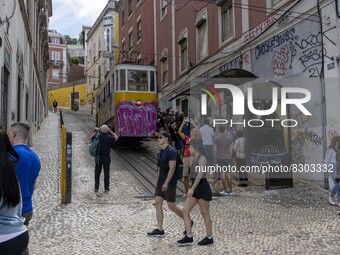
(179, 164)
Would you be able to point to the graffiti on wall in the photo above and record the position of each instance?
(138, 121)
(306, 145)
(290, 47)
(259, 29)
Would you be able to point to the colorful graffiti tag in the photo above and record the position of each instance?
(135, 120)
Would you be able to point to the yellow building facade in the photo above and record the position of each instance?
(63, 96)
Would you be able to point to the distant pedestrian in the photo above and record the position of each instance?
(186, 155)
(239, 148)
(222, 146)
(332, 159)
(207, 134)
(166, 182)
(13, 233)
(55, 105)
(199, 193)
(27, 168)
(107, 138)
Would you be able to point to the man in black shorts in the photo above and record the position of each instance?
(166, 183)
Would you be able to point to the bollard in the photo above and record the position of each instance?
(66, 166)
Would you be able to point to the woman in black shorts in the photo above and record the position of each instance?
(199, 193)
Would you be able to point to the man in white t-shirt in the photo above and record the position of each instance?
(207, 135)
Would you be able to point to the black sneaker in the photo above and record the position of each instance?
(107, 190)
(156, 232)
(96, 190)
(206, 241)
(186, 240)
(185, 232)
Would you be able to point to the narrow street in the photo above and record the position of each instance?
(287, 221)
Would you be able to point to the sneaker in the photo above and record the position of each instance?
(156, 232)
(331, 200)
(231, 193)
(185, 232)
(107, 190)
(206, 241)
(96, 190)
(186, 240)
(223, 193)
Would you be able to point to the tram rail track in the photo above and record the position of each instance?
(137, 161)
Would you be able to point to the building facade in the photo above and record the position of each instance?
(24, 61)
(59, 70)
(101, 47)
(262, 46)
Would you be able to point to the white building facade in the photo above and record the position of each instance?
(24, 60)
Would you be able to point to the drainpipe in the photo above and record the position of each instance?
(323, 95)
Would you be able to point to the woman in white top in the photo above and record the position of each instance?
(13, 233)
(330, 159)
(239, 148)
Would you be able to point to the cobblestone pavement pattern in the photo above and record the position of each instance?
(287, 221)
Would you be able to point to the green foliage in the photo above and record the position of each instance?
(75, 60)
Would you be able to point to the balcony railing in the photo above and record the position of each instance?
(57, 63)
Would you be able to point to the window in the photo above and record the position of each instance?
(139, 30)
(138, 80)
(99, 46)
(122, 80)
(152, 81)
(164, 4)
(202, 39)
(130, 7)
(227, 20)
(99, 74)
(130, 41)
(184, 54)
(55, 56)
(164, 67)
(55, 74)
(123, 18)
(56, 40)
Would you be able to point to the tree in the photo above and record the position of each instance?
(81, 39)
(75, 60)
(70, 41)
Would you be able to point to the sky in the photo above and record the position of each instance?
(69, 16)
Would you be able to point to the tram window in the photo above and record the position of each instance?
(117, 87)
(152, 81)
(122, 80)
(138, 80)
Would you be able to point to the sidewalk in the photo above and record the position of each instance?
(288, 221)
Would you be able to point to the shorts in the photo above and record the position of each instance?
(203, 191)
(168, 195)
(186, 165)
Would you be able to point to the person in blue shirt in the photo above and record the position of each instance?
(166, 183)
(13, 233)
(106, 140)
(27, 168)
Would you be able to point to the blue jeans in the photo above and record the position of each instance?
(209, 150)
(336, 189)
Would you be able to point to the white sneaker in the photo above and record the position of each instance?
(231, 193)
(223, 193)
(331, 200)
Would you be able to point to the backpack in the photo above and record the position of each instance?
(179, 165)
(94, 147)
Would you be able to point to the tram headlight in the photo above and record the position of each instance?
(138, 103)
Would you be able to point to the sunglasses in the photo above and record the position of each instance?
(160, 137)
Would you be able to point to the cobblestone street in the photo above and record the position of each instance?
(255, 221)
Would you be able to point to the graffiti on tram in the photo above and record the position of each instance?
(136, 120)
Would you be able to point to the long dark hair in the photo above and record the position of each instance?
(9, 187)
